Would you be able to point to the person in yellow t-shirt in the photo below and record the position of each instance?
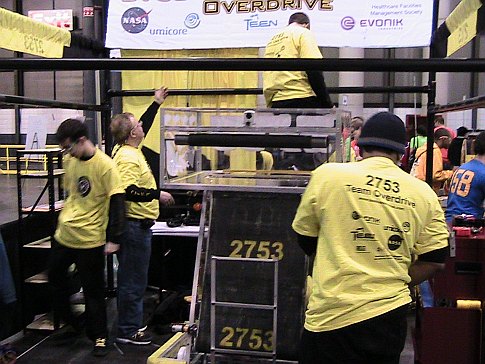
(142, 209)
(295, 89)
(442, 140)
(89, 226)
(364, 221)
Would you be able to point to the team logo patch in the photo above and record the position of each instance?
(83, 186)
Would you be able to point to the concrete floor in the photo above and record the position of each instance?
(46, 353)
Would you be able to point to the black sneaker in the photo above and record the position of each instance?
(100, 348)
(138, 338)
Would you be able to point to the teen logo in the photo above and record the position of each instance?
(366, 218)
(83, 186)
(394, 242)
(347, 23)
(360, 234)
(135, 20)
(255, 22)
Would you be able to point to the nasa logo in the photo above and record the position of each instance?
(394, 242)
(135, 20)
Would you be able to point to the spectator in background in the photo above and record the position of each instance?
(362, 273)
(458, 147)
(295, 89)
(351, 143)
(467, 187)
(439, 122)
(90, 225)
(442, 139)
(415, 142)
(142, 207)
(420, 138)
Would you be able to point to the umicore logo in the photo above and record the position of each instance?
(192, 21)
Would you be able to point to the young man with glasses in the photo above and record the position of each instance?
(89, 226)
(142, 207)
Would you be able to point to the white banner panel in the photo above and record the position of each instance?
(203, 24)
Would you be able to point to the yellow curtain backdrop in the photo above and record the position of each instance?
(143, 80)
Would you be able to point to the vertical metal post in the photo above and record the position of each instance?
(213, 309)
(475, 80)
(19, 82)
(431, 103)
(391, 81)
(89, 82)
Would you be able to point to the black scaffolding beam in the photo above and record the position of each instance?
(247, 64)
(259, 91)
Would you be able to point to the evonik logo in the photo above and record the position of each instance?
(382, 23)
(366, 218)
(348, 23)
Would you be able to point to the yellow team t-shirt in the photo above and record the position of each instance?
(292, 42)
(134, 170)
(369, 217)
(89, 185)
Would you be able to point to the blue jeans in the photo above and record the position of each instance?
(134, 259)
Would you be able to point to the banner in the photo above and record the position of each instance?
(208, 24)
(22, 34)
(460, 27)
(463, 24)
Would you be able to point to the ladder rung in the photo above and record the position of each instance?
(244, 305)
(242, 352)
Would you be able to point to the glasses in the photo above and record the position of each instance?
(68, 148)
(140, 123)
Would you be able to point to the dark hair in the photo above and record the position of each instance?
(71, 129)
(462, 131)
(479, 146)
(371, 149)
(300, 18)
(422, 130)
(441, 132)
(438, 119)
